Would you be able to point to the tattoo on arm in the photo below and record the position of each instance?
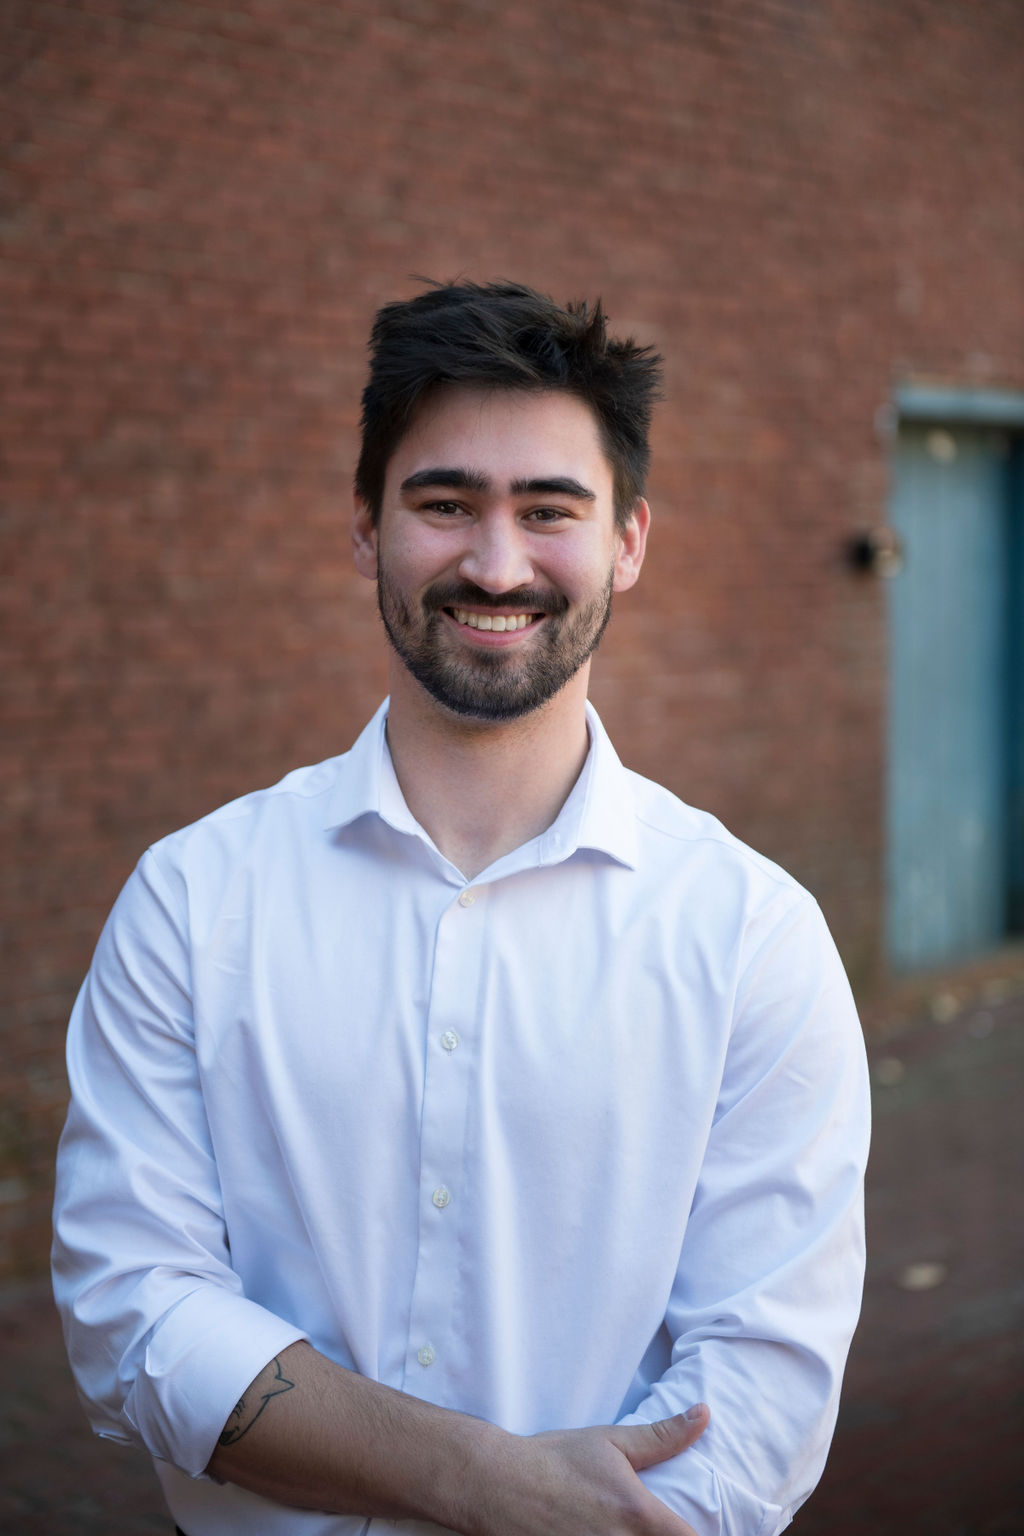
(253, 1401)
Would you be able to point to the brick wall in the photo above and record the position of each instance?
(202, 207)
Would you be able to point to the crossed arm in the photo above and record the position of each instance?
(310, 1434)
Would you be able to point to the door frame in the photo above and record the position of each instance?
(915, 403)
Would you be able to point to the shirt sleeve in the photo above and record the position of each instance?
(770, 1278)
(161, 1340)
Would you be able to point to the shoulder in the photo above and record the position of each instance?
(299, 795)
(252, 856)
(672, 832)
(750, 921)
(268, 830)
(715, 891)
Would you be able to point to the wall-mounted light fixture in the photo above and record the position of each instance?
(878, 552)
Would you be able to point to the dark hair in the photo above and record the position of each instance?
(506, 336)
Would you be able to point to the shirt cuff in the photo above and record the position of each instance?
(199, 1360)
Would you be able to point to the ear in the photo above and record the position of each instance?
(632, 542)
(364, 539)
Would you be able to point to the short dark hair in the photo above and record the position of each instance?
(506, 336)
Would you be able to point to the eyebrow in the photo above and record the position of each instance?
(452, 479)
(459, 479)
(554, 485)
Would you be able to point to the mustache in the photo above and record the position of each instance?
(463, 594)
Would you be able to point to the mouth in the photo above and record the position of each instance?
(499, 623)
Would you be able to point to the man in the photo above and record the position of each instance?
(452, 1122)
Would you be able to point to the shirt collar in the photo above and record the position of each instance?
(361, 787)
(597, 815)
(599, 812)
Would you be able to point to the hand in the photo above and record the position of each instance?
(583, 1482)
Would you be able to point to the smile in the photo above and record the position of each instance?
(494, 621)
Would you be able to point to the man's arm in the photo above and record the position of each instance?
(768, 1285)
(160, 1337)
(309, 1434)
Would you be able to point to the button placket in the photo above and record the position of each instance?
(457, 958)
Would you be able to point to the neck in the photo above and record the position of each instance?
(481, 789)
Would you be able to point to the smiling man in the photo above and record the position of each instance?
(526, 526)
(466, 1132)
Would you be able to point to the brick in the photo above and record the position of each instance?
(207, 203)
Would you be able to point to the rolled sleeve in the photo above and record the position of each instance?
(161, 1340)
(197, 1363)
(712, 1503)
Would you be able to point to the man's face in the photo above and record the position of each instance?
(496, 553)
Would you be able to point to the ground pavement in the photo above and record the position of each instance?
(931, 1432)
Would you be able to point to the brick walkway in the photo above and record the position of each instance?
(931, 1432)
(931, 1435)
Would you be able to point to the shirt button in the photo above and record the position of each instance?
(440, 1197)
(449, 1039)
(425, 1355)
(467, 898)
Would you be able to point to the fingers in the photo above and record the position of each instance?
(644, 1445)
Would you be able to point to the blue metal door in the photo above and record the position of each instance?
(951, 696)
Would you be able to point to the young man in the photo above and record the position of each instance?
(455, 1120)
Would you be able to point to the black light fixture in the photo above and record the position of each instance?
(877, 552)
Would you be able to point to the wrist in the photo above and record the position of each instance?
(467, 1478)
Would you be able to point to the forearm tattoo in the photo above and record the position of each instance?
(253, 1401)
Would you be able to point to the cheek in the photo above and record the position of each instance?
(418, 556)
(399, 571)
(586, 579)
(578, 566)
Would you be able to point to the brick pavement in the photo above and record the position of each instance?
(932, 1424)
(931, 1432)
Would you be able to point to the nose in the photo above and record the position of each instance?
(497, 558)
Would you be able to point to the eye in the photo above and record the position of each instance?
(547, 514)
(443, 508)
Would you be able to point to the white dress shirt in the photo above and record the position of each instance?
(578, 1141)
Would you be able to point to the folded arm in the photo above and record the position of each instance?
(308, 1433)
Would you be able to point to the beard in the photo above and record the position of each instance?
(493, 685)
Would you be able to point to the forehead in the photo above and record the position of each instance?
(505, 435)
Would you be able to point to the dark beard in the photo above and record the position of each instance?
(492, 685)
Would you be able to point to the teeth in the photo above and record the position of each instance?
(495, 621)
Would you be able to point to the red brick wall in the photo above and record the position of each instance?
(203, 206)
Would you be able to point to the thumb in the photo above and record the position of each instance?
(644, 1445)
